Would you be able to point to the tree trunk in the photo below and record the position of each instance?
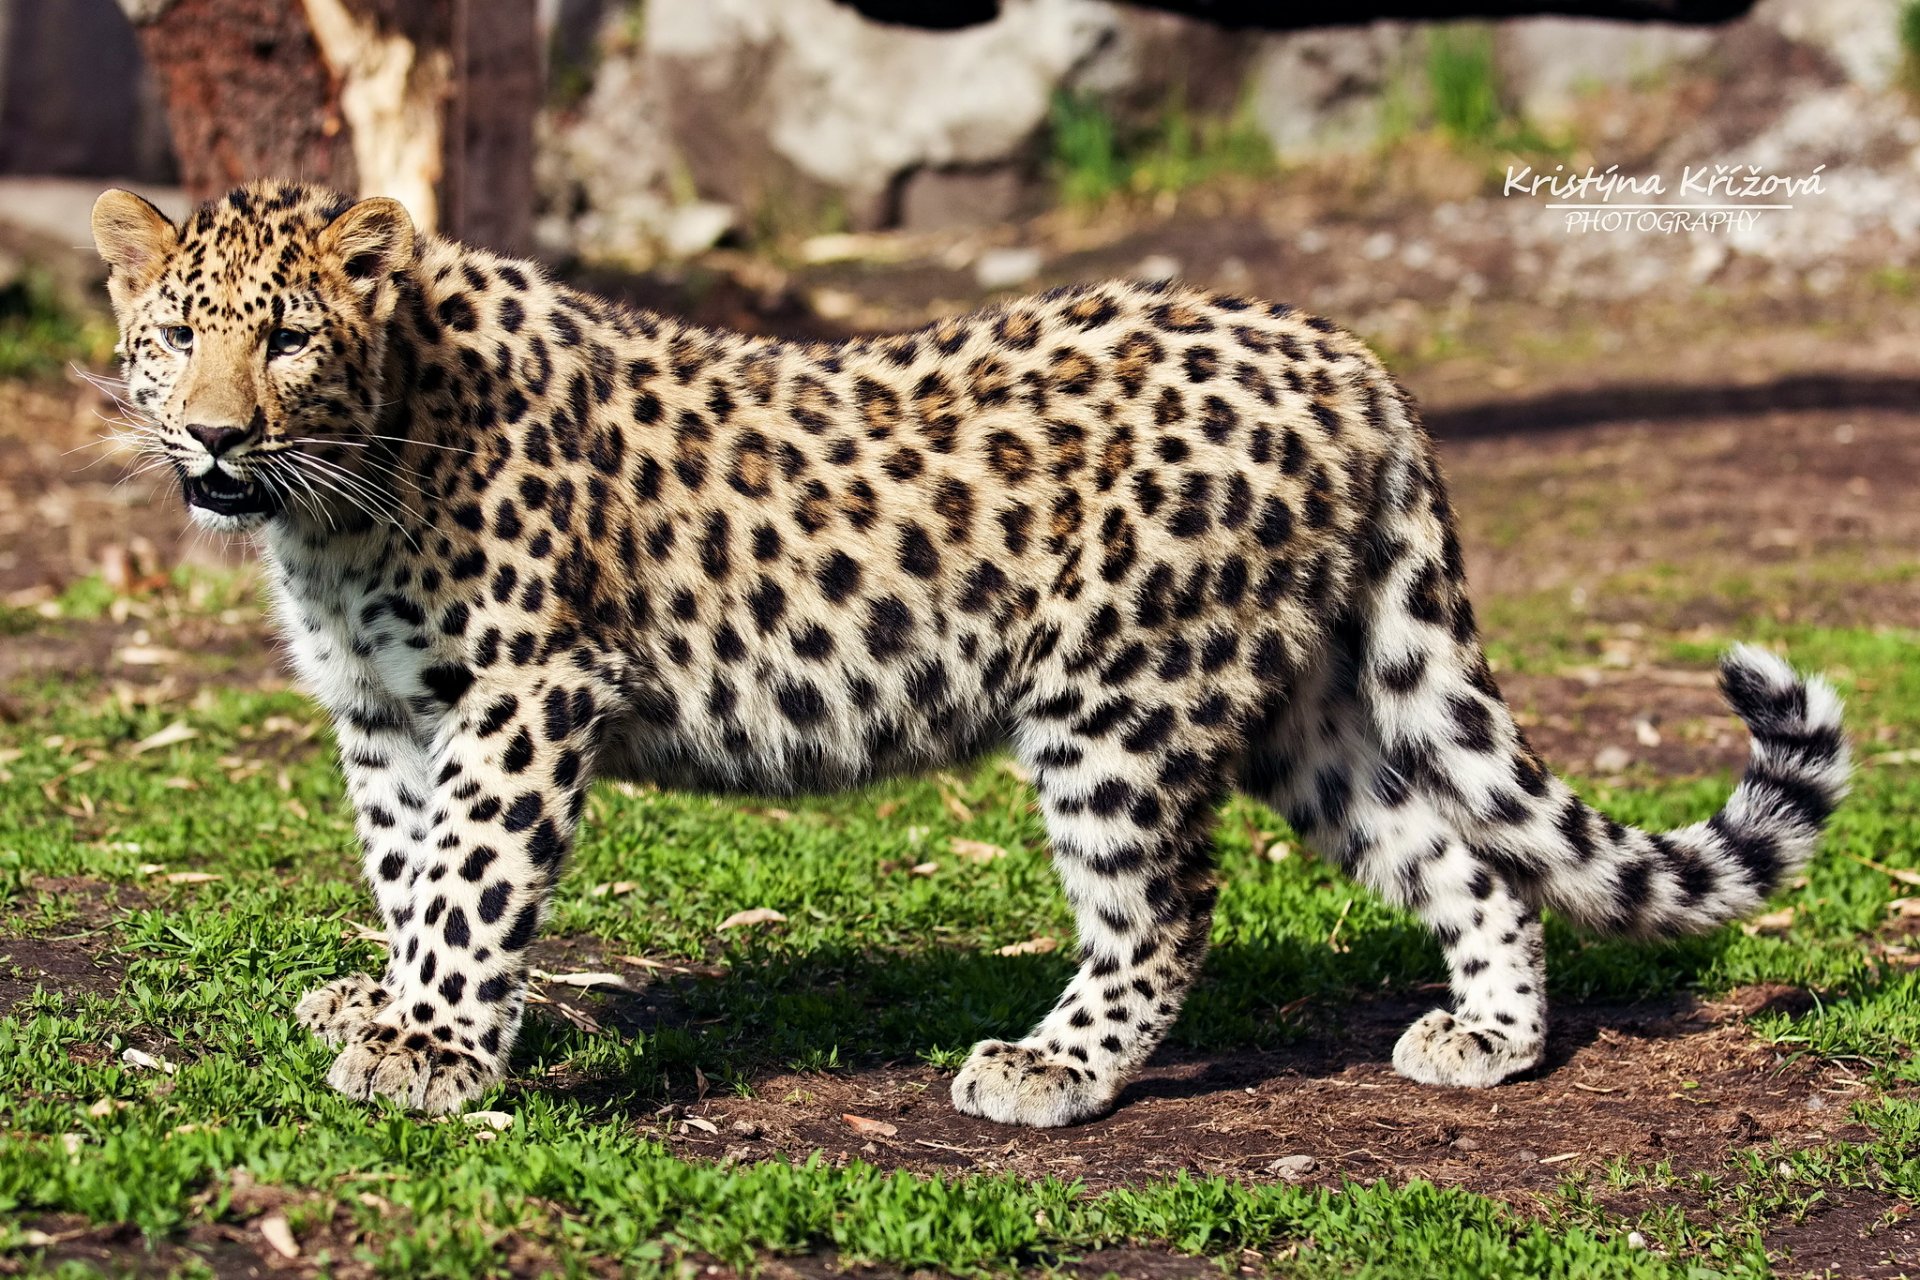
(428, 101)
(247, 92)
(488, 190)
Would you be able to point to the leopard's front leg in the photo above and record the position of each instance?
(389, 777)
(509, 775)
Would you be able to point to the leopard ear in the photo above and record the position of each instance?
(134, 239)
(370, 241)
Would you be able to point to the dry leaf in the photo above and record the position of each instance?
(1645, 734)
(275, 1231)
(178, 731)
(886, 809)
(190, 877)
(1903, 874)
(1905, 908)
(956, 806)
(752, 916)
(976, 850)
(1772, 922)
(147, 655)
(696, 1122)
(144, 1061)
(924, 868)
(498, 1121)
(580, 979)
(869, 1128)
(693, 970)
(615, 889)
(1031, 947)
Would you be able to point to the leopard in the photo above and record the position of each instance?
(1160, 544)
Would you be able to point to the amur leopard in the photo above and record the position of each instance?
(1159, 543)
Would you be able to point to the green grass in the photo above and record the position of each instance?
(874, 964)
(40, 337)
(1464, 83)
(1095, 158)
(1910, 45)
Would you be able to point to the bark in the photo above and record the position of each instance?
(488, 189)
(394, 71)
(429, 101)
(246, 91)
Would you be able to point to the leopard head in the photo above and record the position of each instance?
(253, 341)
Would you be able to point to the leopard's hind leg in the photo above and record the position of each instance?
(1323, 764)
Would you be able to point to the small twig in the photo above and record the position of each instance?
(1333, 939)
(1903, 874)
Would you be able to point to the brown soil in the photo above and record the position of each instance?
(1849, 1234)
(1664, 1081)
(70, 966)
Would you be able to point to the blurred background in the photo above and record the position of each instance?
(1650, 425)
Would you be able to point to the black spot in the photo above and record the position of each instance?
(839, 577)
(800, 701)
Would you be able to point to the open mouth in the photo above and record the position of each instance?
(221, 493)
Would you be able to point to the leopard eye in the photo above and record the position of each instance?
(284, 342)
(179, 337)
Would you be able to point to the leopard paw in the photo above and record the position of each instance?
(382, 1060)
(1025, 1084)
(341, 1007)
(1443, 1049)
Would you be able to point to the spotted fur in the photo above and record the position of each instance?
(1161, 543)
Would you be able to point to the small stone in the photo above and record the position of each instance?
(1465, 1143)
(1157, 267)
(1293, 1168)
(745, 1128)
(1007, 268)
(1612, 760)
(1635, 1240)
(1527, 1157)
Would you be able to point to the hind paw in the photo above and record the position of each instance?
(1024, 1084)
(1443, 1049)
(337, 1010)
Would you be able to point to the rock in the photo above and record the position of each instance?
(851, 104)
(1157, 267)
(945, 199)
(1293, 1168)
(1862, 37)
(1007, 268)
(1321, 91)
(1549, 63)
(1611, 760)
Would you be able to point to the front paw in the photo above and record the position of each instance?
(342, 1007)
(383, 1060)
(1024, 1084)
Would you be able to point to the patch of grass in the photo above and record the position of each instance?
(1095, 158)
(1910, 45)
(1465, 84)
(40, 337)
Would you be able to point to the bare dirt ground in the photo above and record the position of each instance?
(1669, 1081)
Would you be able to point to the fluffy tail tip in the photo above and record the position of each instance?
(1779, 703)
(1801, 767)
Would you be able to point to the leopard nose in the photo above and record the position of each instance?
(217, 440)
